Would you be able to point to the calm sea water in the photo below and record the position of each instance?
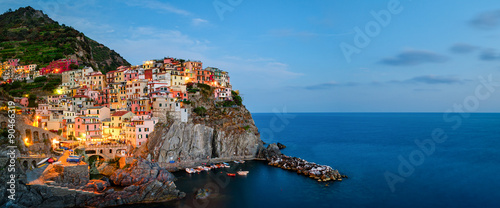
(462, 171)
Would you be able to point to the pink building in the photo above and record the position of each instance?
(144, 125)
(55, 98)
(13, 62)
(222, 94)
(179, 95)
(88, 127)
(92, 94)
(157, 85)
(168, 60)
(22, 101)
(103, 98)
(131, 75)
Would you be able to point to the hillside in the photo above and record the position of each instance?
(34, 38)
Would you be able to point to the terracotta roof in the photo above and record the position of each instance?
(120, 113)
(79, 96)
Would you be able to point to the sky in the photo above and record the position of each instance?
(314, 56)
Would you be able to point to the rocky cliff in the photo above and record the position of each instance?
(189, 141)
(224, 132)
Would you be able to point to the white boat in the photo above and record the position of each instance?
(42, 161)
(242, 172)
(190, 170)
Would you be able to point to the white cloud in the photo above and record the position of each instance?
(144, 43)
(198, 21)
(157, 5)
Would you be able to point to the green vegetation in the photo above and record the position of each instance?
(201, 111)
(41, 85)
(34, 38)
(237, 98)
(205, 89)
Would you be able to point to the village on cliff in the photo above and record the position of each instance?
(119, 107)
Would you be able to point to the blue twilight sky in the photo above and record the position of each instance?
(309, 56)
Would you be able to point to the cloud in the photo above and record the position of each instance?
(463, 48)
(157, 5)
(414, 57)
(425, 79)
(198, 21)
(301, 34)
(486, 20)
(426, 90)
(329, 85)
(489, 55)
(431, 79)
(144, 43)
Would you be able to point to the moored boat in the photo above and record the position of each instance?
(243, 172)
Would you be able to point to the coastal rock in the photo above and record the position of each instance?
(140, 173)
(189, 141)
(318, 172)
(96, 186)
(68, 176)
(272, 150)
(202, 193)
(281, 146)
(106, 169)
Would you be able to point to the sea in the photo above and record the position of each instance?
(391, 160)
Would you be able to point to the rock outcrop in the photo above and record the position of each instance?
(281, 146)
(145, 182)
(67, 176)
(141, 172)
(189, 141)
(271, 151)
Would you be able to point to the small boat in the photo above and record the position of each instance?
(42, 161)
(226, 165)
(190, 170)
(242, 172)
(241, 161)
(231, 174)
(199, 169)
(73, 158)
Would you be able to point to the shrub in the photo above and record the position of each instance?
(228, 103)
(200, 111)
(41, 79)
(238, 100)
